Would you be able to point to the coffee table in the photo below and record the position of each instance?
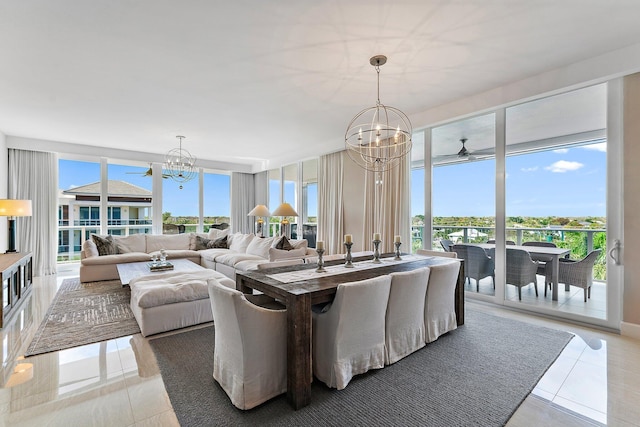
(131, 270)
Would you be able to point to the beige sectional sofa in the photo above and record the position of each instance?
(243, 252)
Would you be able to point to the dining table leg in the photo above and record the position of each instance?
(555, 267)
(299, 350)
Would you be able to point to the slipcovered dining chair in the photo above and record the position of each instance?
(446, 244)
(426, 252)
(577, 273)
(404, 322)
(521, 270)
(439, 306)
(250, 352)
(477, 264)
(348, 335)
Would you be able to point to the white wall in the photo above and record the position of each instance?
(4, 188)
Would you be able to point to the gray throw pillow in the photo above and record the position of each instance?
(105, 245)
(220, 243)
(284, 244)
(203, 243)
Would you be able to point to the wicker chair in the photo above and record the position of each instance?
(461, 253)
(544, 263)
(446, 244)
(477, 264)
(521, 270)
(577, 273)
(508, 242)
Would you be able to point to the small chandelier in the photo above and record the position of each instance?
(179, 164)
(378, 137)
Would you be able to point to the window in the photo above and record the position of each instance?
(217, 199)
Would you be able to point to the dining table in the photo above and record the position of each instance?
(300, 287)
(539, 253)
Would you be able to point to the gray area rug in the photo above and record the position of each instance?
(84, 313)
(477, 375)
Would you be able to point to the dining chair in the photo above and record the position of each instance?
(426, 252)
(446, 244)
(521, 270)
(577, 273)
(461, 253)
(544, 263)
(348, 334)
(250, 347)
(508, 242)
(439, 306)
(404, 322)
(477, 264)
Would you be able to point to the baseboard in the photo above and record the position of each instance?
(631, 330)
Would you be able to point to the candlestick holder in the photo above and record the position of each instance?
(397, 257)
(376, 252)
(347, 257)
(320, 268)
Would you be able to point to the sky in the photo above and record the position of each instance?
(566, 182)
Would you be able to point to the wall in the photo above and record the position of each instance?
(4, 188)
(631, 291)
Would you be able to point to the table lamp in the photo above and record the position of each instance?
(259, 211)
(13, 208)
(285, 210)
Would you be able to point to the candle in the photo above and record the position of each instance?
(320, 245)
(348, 238)
(397, 239)
(376, 236)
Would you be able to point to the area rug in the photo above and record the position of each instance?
(84, 313)
(477, 375)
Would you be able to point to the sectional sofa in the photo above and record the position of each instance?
(218, 250)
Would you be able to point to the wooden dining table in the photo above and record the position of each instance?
(300, 295)
(539, 253)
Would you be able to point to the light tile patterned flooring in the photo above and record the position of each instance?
(595, 381)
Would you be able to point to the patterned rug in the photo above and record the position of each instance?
(84, 313)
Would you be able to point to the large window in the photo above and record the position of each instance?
(274, 200)
(310, 201)
(129, 207)
(217, 199)
(180, 206)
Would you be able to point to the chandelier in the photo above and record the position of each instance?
(179, 164)
(378, 137)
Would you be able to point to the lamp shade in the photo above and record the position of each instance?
(9, 207)
(259, 210)
(285, 209)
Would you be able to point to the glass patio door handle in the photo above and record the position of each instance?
(614, 252)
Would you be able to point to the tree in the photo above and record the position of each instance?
(166, 216)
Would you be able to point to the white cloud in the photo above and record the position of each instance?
(562, 166)
(531, 169)
(597, 147)
(561, 151)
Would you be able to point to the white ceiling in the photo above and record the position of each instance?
(266, 83)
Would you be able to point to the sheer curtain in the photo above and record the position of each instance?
(330, 203)
(33, 175)
(261, 182)
(242, 201)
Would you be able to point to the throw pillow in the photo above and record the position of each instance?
(284, 244)
(105, 245)
(203, 243)
(238, 242)
(260, 247)
(214, 233)
(276, 254)
(220, 243)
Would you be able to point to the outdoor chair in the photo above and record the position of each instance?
(479, 265)
(426, 252)
(508, 242)
(461, 252)
(446, 244)
(521, 270)
(577, 273)
(544, 263)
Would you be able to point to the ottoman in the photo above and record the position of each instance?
(173, 300)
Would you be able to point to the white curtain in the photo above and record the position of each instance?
(33, 176)
(261, 182)
(330, 203)
(242, 201)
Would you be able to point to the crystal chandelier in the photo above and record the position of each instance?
(179, 164)
(378, 137)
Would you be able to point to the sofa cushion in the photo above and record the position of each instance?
(260, 246)
(156, 242)
(212, 254)
(117, 259)
(177, 253)
(250, 264)
(297, 244)
(170, 288)
(232, 258)
(89, 248)
(214, 233)
(131, 243)
(276, 254)
(238, 242)
(283, 244)
(105, 245)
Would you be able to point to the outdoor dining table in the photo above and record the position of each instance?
(541, 253)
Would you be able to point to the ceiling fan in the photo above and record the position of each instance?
(148, 172)
(463, 151)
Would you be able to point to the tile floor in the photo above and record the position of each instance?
(595, 381)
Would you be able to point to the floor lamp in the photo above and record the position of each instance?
(285, 210)
(259, 211)
(13, 208)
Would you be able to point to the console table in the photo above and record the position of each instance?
(16, 273)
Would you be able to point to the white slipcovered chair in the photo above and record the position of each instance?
(348, 336)
(250, 353)
(404, 324)
(426, 252)
(439, 307)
